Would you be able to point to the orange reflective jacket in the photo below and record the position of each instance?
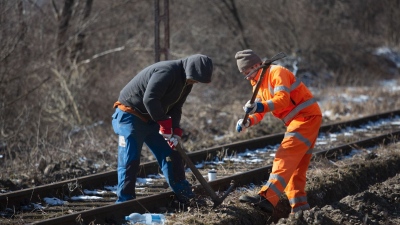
(283, 95)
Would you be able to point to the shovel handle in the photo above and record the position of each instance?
(198, 175)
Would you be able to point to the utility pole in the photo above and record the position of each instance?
(161, 18)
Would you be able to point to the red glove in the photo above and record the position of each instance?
(176, 137)
(178, 132)
(166, 128)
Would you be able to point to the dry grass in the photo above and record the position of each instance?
(206, 123)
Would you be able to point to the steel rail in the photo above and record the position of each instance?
(114, 213)
(17, 198)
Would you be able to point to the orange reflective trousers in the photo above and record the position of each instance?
(291, 163)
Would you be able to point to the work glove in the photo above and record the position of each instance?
(255, 107)
(165, 128)
(242, 127)
(176, 137)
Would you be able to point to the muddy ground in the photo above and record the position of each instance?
(364, 189)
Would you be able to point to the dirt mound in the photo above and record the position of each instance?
(380, 204)
(365, 190)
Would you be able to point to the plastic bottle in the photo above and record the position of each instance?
(147, 218)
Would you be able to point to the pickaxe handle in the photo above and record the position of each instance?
(265, 65)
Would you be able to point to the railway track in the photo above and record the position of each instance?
(90, 199)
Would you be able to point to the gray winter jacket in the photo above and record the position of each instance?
(160, 89)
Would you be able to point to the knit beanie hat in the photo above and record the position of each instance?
(246, 59)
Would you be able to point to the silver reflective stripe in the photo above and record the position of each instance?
(281, 88)
(255, 118)
(274, 188)
(295, 84)
(279, 178)
(298, 136)
(271, 91)
(271, 105)
(297, 109)
(298, 200)
(300, 208)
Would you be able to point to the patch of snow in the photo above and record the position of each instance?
(84, 197)
(54, 201)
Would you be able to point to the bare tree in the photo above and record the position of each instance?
(64, 20)
(78, 47)
(230, 15)
(61, 73)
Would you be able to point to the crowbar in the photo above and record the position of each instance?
(265, 65)
(217, 200)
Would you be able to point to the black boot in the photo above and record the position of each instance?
(259, 201)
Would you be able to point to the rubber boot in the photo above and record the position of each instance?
(258, 201)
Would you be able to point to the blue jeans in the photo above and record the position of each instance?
(132, 134)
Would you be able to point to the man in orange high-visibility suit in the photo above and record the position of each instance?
(288, 99)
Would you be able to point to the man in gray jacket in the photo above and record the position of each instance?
(149, 111)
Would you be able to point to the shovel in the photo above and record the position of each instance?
(217, 200)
